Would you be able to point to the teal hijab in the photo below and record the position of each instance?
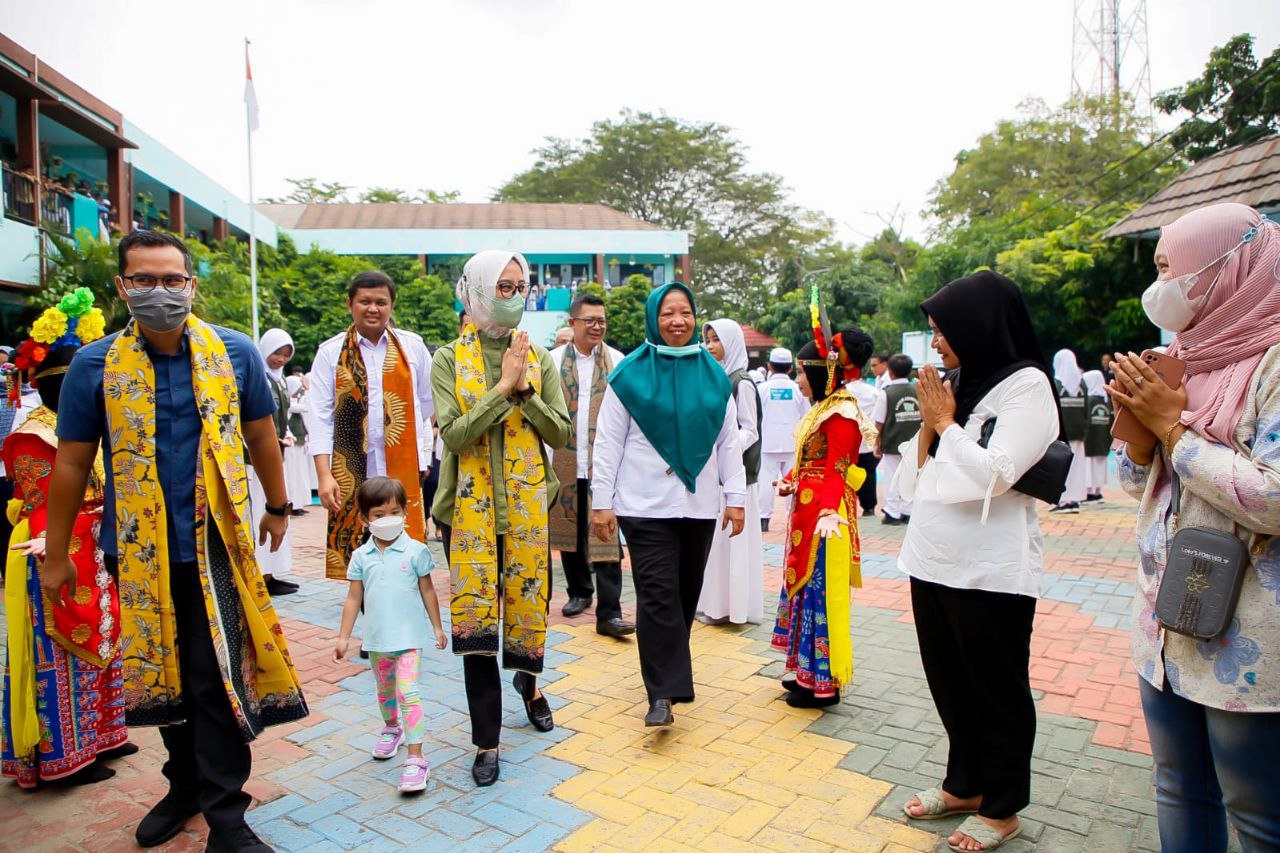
(676, 395)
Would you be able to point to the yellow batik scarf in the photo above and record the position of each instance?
(256, 668)
(524, 581)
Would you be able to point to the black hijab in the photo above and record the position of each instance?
(986, 324)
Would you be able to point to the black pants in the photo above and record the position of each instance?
(208, 762)
(867, 491)
(976, 646)
(482, 679)
(668, 559)
(430, 482)
(578, 571)
(6, 529)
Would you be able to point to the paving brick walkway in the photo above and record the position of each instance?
(739, 769)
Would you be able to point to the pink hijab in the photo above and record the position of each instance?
(1241, 319)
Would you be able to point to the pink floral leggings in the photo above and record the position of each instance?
(396, 674)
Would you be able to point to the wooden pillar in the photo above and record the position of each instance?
(29, 145)
(683, 270)
(177, 213)
(600, 269)
(424, 260)
(220, 231)
(120, 189)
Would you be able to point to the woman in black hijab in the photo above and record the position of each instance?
(974, 552)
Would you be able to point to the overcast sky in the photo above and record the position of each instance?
(859, 106)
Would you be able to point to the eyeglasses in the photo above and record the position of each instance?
(592, 323)
(507, 289)
(172, 283)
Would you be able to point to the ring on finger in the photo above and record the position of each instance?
(1138, 380)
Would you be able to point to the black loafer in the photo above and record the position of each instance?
(275, 586)
(538, 711)
(485, 768)
(615, 627)
(240, 840)
(808, 699)
(792, 686)
(659, 713)
(165, 820)
(575, 606)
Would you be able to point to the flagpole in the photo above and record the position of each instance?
(253, 239)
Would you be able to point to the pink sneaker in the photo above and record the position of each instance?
(388, 742)
(414, 775)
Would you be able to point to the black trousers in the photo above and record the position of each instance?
(976, 647)
(6, 529)
(482, 679)
(867, 491)
(578, 571)
(208, 762)
(430, 482)
(668, 560)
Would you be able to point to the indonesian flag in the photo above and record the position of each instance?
(250, 96)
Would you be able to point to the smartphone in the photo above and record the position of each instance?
(1127, 427)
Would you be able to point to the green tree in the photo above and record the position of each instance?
(684, 176)
(625, 307)
(1236, 101)
(853, 293)
(425, 305)
(311, 191)
(384, 195)
(429, 196)
(81, 261)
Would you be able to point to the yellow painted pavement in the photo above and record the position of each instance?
(737, 771)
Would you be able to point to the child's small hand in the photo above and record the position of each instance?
(340, 650)
(442, 639)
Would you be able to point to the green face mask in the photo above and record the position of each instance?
(507, 312)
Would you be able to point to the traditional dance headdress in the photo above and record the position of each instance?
(72, 323)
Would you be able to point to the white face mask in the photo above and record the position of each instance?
(1167, 302)
(388, 528)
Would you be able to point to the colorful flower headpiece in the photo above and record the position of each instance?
(73, 322)
(830, 346)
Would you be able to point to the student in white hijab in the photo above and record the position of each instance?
(299, 473)
(1070, 385)
(733, 586)
(1097, 441)
(276, 348)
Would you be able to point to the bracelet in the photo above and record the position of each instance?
(1168, 451)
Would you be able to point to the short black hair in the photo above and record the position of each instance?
(780, 368)
(900, 366)
(857, 345)
(150, 239)
(370, 279)
(296, 369)
(376, 491)
(584, 299)
(880, 356)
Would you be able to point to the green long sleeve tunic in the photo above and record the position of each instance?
(546, 411)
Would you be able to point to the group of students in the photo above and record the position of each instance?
(1087, 415)
(141, 597)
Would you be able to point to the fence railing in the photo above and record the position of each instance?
(19, 196)
(55, 211)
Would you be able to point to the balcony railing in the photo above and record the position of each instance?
(55, 211)
(19, 196)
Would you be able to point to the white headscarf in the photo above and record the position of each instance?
(735, 346)
(294, 384)
(478, 287)
(1094, 382)
(1067, 371)
(272, 340)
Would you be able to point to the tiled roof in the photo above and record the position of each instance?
(569, 217)
(1249, 174)
(756, 339)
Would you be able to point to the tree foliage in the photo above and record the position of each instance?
(1234, 102)
(625, 308)
(311, 191)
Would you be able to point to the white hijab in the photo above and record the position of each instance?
(478, 287)
(1067, 371)
(272, 340)
(735, 345)
(294, 384)
(1094, 382)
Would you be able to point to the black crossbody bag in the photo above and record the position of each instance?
(1047, 479)
(1202, 579)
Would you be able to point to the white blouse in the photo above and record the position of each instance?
(969, 529)
(630, 478)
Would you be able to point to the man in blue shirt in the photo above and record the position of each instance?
(209, 758)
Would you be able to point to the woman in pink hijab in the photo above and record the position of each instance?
(1212, 706)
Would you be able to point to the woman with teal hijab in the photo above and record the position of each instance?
(666, 448)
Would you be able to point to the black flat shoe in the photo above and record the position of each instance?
(792, 686)
(659, 713)
(538, 711)
(239, 840)
(276, 586)
(485, 768)
(575, 606)
(808, 699)
(165, 820)
(615, 627)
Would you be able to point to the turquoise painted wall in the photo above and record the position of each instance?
(19, 252)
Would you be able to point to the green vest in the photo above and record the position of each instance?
(1097, 438)
(1075, 417)
(750, 455)
(902, 416)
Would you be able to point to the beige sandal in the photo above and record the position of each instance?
(935, 806)
(984, 833)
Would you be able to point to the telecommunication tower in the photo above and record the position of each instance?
(1109, 51)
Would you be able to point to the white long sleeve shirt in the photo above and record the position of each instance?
(630, 478)
(748, 424)
(324, 371)
(782, 406)
(586, 365)
(950, 541)
(873, 402)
